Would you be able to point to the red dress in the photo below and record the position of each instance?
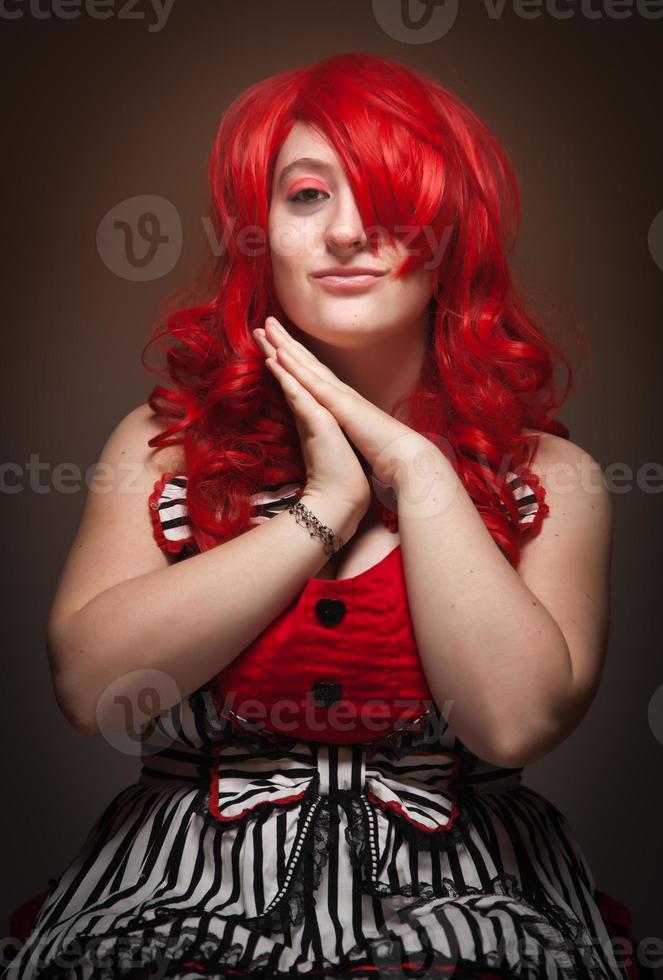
(273, 834)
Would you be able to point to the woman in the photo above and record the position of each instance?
(366, 395)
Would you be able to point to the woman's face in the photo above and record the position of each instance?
(314, 225)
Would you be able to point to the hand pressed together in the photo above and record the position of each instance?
(318, 397)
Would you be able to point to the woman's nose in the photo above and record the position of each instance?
(345, 229)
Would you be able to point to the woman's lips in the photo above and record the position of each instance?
(347, 283)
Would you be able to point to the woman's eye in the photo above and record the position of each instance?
(296, 199)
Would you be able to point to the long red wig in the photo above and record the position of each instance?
(416, 158)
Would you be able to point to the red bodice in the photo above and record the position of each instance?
(340, 664)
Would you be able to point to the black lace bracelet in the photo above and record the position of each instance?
(307, 518)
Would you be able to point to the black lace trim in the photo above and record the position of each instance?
(357, 834)
(138, 951)
(291, 911)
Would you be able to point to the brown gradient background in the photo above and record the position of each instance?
(105, 110)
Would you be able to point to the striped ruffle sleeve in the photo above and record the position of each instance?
(530, 501)
(273, 500)
(171, 526)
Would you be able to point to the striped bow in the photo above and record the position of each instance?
(419, 787)
(417, 792)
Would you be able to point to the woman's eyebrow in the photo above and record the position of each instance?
(311, 162)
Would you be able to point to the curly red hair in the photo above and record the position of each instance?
(417, 158)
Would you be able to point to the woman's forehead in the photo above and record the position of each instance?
(304, 140)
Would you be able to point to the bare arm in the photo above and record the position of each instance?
(122, 608)
(517, 654)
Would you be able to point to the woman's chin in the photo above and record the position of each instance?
(347, 334)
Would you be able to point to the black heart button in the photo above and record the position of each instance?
(330, 612)
(326, 692)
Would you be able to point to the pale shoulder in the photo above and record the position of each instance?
(573, 480)
(553, 452)
(129, 442)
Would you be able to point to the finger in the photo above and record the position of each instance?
(259, 336)
(278, 331)
(306, 375)
(281, 339)
(293, 357)
(325, 393)
(307, 412)
(297, 395)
